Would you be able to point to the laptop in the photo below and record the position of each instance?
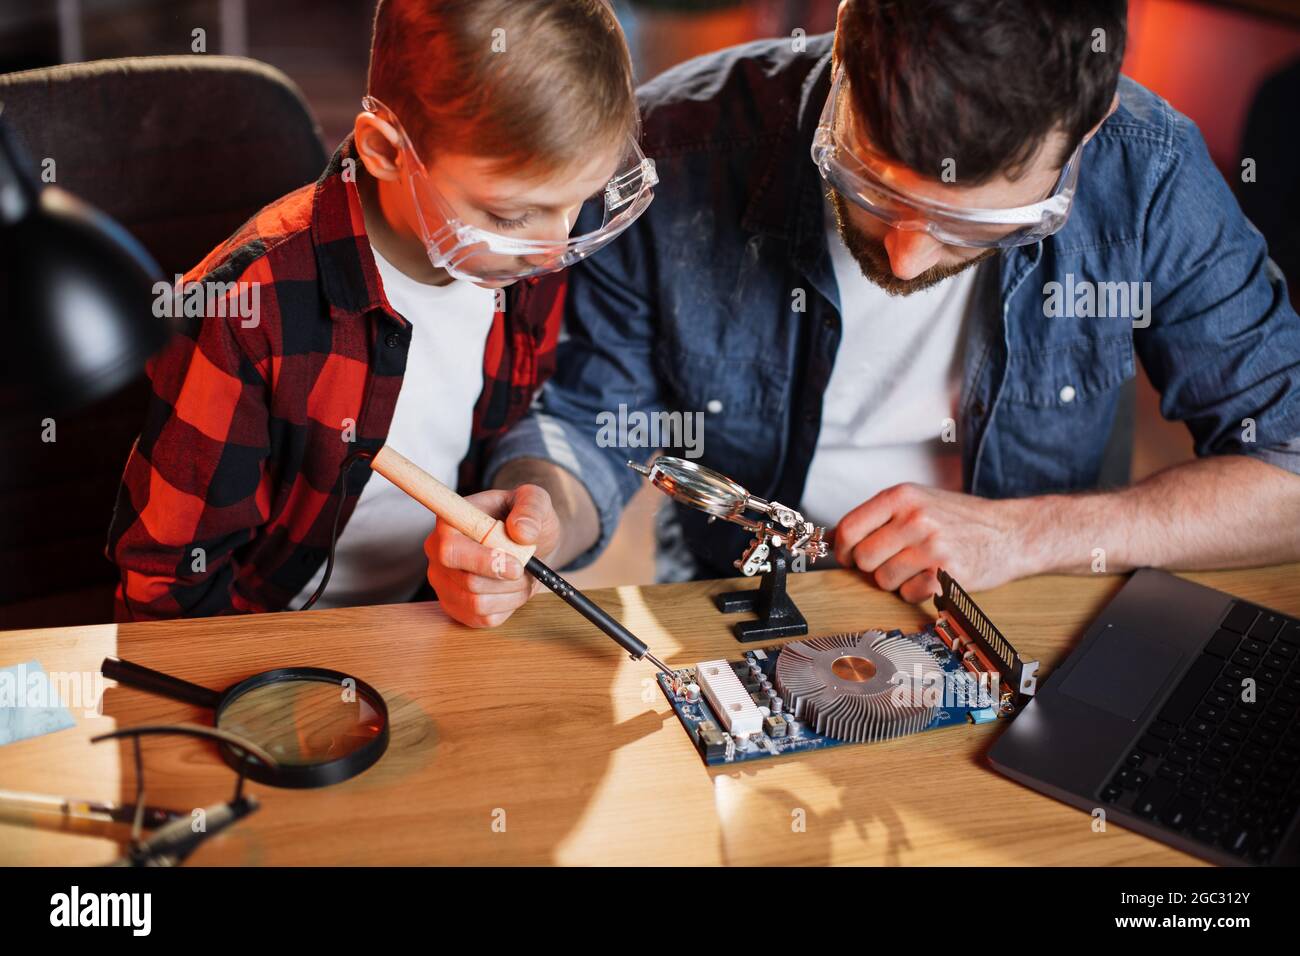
(1177, 715)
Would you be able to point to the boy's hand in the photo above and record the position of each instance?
(482, 586)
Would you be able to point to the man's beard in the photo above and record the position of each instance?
(873, 260)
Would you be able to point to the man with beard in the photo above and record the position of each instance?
(906, 272)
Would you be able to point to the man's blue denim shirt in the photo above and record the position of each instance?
(721, 299)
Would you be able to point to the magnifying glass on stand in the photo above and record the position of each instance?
(783, 538)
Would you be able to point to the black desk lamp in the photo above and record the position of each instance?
(76, 293)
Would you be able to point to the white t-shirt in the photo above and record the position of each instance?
(895, 385)
(379, 558)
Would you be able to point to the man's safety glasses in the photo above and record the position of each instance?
(860, 175)
(479, 255)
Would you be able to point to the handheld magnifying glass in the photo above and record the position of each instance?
(320, 726)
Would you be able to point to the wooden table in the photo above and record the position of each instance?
(540, 742)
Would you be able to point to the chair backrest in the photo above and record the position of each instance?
(181, 150)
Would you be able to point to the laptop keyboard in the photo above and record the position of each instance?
(1217, 763)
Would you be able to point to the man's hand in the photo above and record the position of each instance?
(1225, 511)
(482, 586)
(905, 533)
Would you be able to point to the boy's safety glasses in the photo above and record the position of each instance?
(479, 255)
(860, 175)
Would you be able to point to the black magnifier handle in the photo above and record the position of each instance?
(156, 682)
(593, 613)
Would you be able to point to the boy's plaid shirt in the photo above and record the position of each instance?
(228, 497)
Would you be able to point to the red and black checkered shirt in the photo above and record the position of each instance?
(230, 492)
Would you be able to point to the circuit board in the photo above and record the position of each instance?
(853, 688)
(964, 698)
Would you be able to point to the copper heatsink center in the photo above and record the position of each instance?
(857, 669)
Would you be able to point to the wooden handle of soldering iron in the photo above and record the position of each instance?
(447, 505)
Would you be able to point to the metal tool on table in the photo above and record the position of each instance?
(173, 841)
(46, 807)
(783, 538)
(491, 532)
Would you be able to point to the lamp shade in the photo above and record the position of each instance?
(76, 293)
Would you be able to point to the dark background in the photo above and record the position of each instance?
(1207, 59)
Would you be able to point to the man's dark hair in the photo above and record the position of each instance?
(981, 82)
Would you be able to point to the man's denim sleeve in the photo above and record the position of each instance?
(1223, 346)
(605, 360)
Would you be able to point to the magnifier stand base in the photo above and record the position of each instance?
(777, 614)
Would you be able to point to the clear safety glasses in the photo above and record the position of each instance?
(480, 255)
(860, 175)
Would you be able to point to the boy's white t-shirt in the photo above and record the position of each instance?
(379, 558)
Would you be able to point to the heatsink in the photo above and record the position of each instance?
(861, 687)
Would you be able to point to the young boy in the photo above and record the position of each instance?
(382, 316)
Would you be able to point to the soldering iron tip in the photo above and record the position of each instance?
(660, 664)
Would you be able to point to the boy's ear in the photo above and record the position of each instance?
(378, 145)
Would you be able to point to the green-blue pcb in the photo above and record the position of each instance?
(964, 700)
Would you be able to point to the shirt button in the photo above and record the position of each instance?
(714, 406)
(1067, 393)
(393, 340)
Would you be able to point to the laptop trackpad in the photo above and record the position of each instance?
(1121, 673)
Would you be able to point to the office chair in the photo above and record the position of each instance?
(180, 150)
